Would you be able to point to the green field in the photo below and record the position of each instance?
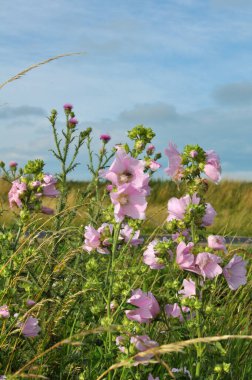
(231, 199)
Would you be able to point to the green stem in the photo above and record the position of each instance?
(111, 281)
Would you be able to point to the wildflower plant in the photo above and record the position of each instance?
(100, 299)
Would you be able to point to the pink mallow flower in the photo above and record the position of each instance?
(209, 216)
(128, 234)
(18, 189)
(48, 186)
(185, 258)
(47, 210)
(143, 343)
(175, 311)
(217, 242)
(235, 272)
(150, 258)
(147, 306)
(4, 312)
(154, 165)
(207, 263)
(177, 208)
(189, 289)
(175, 169)
(30, 327)
(150, 377)
(94, 239)
(212, 167)
(128, 201)
(127, 170)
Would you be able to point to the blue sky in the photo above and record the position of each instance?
(182, 67)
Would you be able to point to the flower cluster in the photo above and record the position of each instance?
(101, 239)
(135, 344)
(30, 327)
(130, 186)
(27, 192)
(191, 162)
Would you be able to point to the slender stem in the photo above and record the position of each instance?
(198, 315)
(111, 281)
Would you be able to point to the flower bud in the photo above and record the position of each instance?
(13, 164)
(105, 138)
(72, 122)
(68, 107)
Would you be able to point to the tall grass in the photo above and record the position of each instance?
(231, 199)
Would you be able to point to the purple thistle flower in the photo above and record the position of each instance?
(68, 107)
(105, 138)
(13, 164)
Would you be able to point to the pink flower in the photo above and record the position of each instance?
(173, 310)
(189, 289)
(30, 327)
(147, 306)
(17, 190)
(193, 153)
(105, 138)
(143, 343)
(68, 107)
(150, 150)
(13, 164)
(184, 258)
(4, 312)
(150, 258)
(209, 216)
(235, 272)
(47, 210)
(48, 186)
(150, 377)
(128, 234)
(72, 122)
(128, 201)
(154, 166)
(36, 184)
(30, 303)
(177, 206)
(120, 342)
(92, 239)
(175, 169)
(208, 264)
(126, 169)
(95, 239)
(217, 242)
(212, 167)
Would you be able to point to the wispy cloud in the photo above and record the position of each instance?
(234, 94)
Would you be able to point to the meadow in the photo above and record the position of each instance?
(231, 199)
(124, 277)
